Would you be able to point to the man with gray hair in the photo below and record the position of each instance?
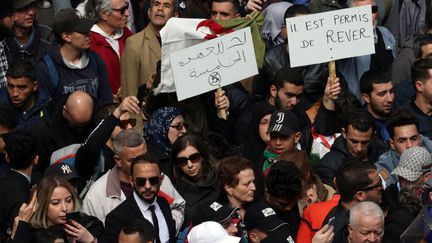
(108, 36)
(115, 186)
(143, 50)
(366, 223)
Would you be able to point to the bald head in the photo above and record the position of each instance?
(78, 110)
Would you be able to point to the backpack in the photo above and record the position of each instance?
(67, 155)
(53, 73)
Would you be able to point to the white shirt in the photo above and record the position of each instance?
(111, 39)
(144, 207)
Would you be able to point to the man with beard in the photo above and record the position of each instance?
(377, 93)
(421, 104)
(6, 24)
(23, 94)
(144, 203)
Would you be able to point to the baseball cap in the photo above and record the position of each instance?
(6, 8)
(213, 211)
(413, 163)
(19, 4)
(70, 20)
(278, 236)
(284, 122)
(210, 232)
(62, 169)
(262, 217)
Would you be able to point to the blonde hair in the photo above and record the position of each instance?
(44, 193)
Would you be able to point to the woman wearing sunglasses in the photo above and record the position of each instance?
(193, 176)
(164, 127)
(51, 205)
(108, 36)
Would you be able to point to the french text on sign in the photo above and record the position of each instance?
(328, 36)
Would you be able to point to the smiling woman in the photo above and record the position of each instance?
(49, 206)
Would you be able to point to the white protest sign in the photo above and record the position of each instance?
(214, 63)
(328, 36)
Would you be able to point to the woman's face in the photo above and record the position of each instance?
(190, 161)
(263, 128)
(60, 203)
(176, 129)
(244, 191)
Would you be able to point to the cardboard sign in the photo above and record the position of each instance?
(213, 64)
(328, 36)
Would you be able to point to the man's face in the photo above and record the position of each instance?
(78, 39)
(380, 100)
(6, 25)
(357, 142)
(426, 89)
(20, 91)
(374, 190)
(223, 10)
(159, 12)
(116, 19)
(280, 143)
(24, 18)
(288, 96)
(426, 50)
(367, 229)
(147, 172)
(127, 155)
(404, 138)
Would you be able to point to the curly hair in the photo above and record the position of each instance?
(284, 180)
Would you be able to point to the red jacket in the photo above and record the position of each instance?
(313, 218)
(99, 45)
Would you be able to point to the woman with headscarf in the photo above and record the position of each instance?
(165, 125)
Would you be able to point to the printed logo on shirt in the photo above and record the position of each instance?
(89, 86)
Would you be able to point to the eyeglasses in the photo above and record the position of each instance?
(378, 185)
(141, 181)
(124, 123)
(193, 158)
(123, 9)
(374, 9)
(179, 126)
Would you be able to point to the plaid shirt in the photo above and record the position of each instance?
(3, 64)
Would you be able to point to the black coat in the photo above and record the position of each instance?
(14, 191)
(330, 163)
(129, 210)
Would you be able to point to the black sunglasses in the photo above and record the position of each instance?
(123, 9)
(378, 185)
(141, 181)
(374, 9)
(124, 123)
(194, 158)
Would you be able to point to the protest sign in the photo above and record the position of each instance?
(213, 64)
(328, 36)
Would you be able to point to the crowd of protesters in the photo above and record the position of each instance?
(92, 151)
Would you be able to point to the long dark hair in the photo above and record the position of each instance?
(179, 145)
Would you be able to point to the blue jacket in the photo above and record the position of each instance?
(389, 160)
(27, 118)
(92, 79)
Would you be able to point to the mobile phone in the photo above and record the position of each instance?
(331, 221)
(73, 216)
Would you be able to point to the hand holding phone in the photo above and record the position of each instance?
(73, 216)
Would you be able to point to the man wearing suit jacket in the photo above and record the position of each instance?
(144, 203)
(15, 184)
(143, 50)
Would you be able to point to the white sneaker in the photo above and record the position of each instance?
(44, 4)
